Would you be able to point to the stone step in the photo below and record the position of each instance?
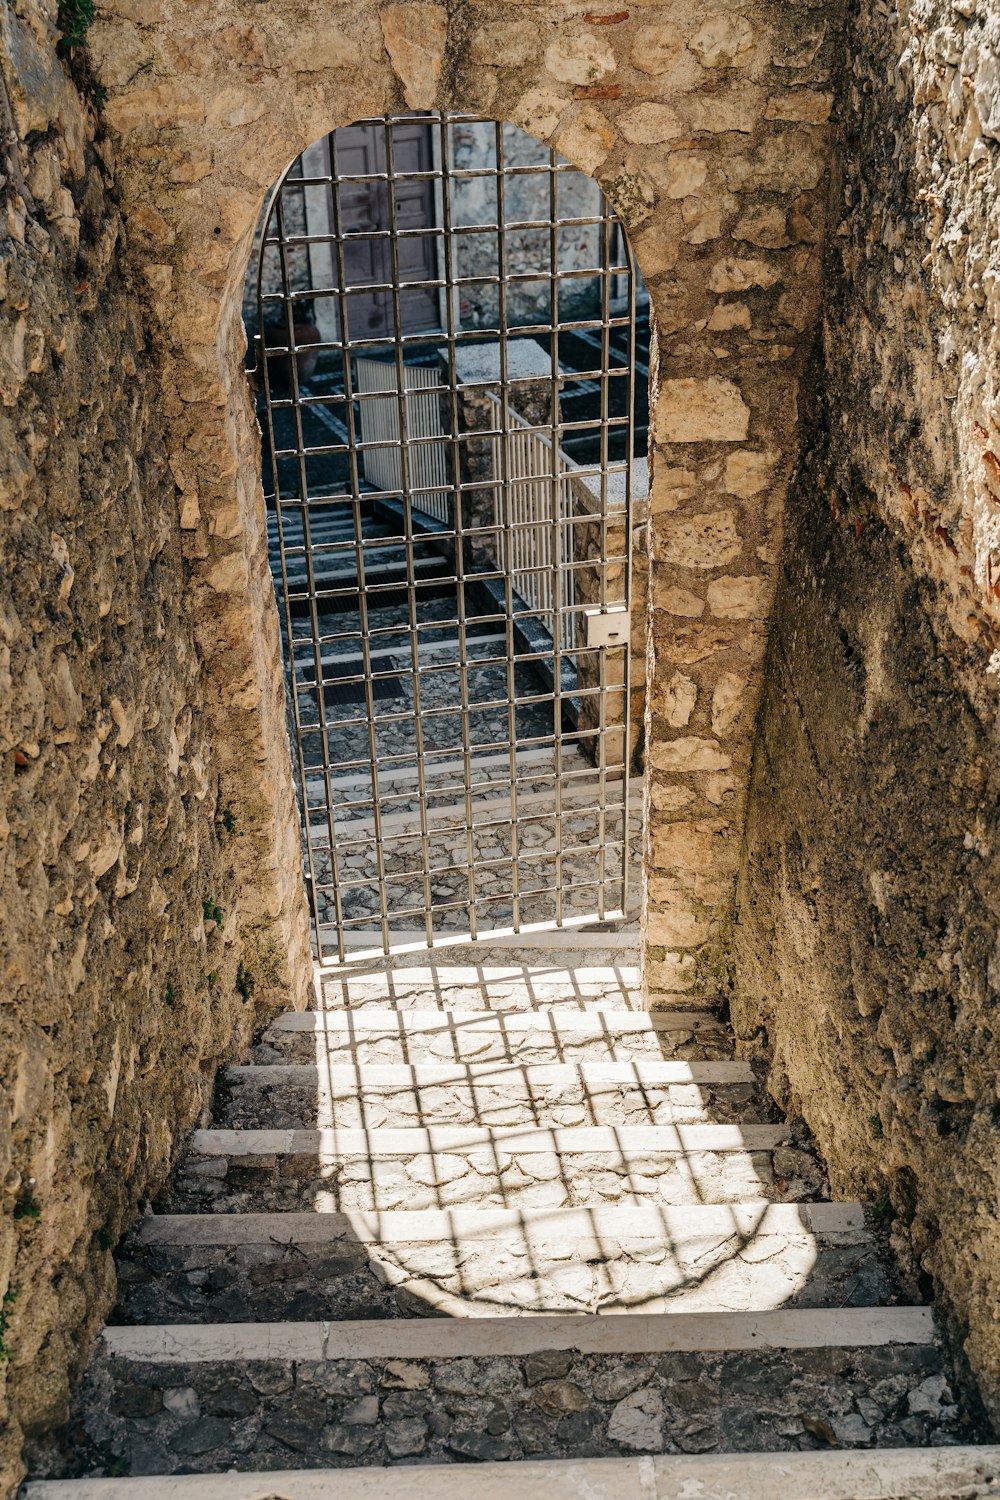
(607, 943)
(918, 1473)
(303, 1096)
(446, 812)
(485, 987)
(481, 1262)
(259, 1396)
(423, 1035)
(516, 1166)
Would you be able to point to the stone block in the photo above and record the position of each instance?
(701, 411)
(415, 36)
(587, 138)
(739, 598)
(650, 124)
(723, 41)
(689, 753)
(702, 541)
(580, 58)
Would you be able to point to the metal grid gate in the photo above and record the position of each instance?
(445, 360)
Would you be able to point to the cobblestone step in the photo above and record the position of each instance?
(478, 1262)
(418, 1035)
(258, 1396)
(519, 1166)
(920, 1474)
(304, 1096)
(485, 987)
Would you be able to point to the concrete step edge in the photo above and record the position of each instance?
(458, 1338)
(749, 1218)
(390, 1142)
(918, 1473)
(389, 1022)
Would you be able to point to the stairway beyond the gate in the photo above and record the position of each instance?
(486, 1209)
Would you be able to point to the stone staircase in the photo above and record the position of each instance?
(486, 1209)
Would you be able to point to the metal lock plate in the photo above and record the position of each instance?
(607, 627)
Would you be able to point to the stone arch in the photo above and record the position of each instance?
(712, 147)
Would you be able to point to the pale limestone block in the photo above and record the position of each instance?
(656, 251)
(701, 411)
(678, 601)
(703, 541)
(582, 58)
(763, 225)
(717, 788)
(727, 702)
(235, 107)
(637, 1422)
(415, 36)
(680, 174)
(656, 47)
(692, 846)
(587, 139)
(807, 106)
(672, 974)
(723, 41)
(728, 315)
(690, 753)
(739, 598)
(650, 124)
(703, 220)
(679, 698)
(224, 574)
(165, 104)
(677, 927)
(717, 113)
(671, 487)
(739, 275)
(670, 798)
(539, 111)
(505, 44)
(787, 162)
(749, 471)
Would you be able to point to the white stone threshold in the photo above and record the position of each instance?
(889, 1474)
(631, 1074)
(458, 1338)
(387, 1142)
(586, 1024)
(541, 937)
(666, 1225)
(539, 977)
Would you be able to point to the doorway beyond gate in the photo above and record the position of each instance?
(446, 348)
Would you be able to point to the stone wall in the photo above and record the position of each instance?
(867, 947)
(133, 953)
(707, 132)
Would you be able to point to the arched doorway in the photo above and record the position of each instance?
(446, 348)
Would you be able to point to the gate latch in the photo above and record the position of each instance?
(606, 627)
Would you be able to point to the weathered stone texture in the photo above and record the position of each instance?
(707, 132)
(123, 946)
(867, 938)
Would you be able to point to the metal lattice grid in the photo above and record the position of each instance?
(445, 355)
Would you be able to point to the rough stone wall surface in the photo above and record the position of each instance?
(708, 132)
(126, 956)
(867, 947)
